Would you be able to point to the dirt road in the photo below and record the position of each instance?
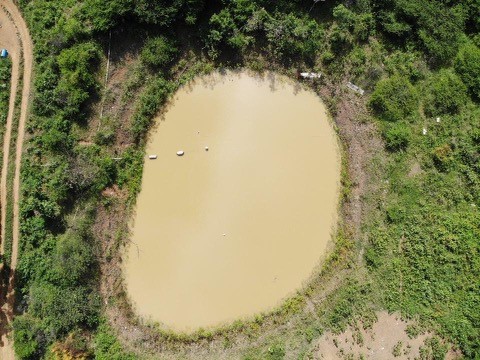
(15, 37)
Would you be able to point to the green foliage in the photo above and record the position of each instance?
(446, 94)
(406, 64)
(442, 156)
(158, 52)
(107, 347)
(290, 37)
(275, 351)
(225, 32)
(348, 301)
(77, 80)
(164, 13)
(467, 65)
(397, 136)
(149, 104)
(63, 309)
(394, 99)
(422, 22)
(5, 74)
(28, 338)
(74, 258)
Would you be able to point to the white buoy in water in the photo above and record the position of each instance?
(180, 152)
(152, 157)
(206, 148)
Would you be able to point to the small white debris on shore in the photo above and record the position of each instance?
(355, 88)
(437, 119)
(424, 132)
(152, 157)
(310, 75)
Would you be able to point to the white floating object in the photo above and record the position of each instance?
(180, 152)
(437, 119)
(206, 148)
(424, 132)
(355, 88)
(224, 234)
(310, 75)
(152, 157)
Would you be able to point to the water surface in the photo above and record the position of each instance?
(229, 232)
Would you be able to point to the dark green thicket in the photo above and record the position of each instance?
(418, 60)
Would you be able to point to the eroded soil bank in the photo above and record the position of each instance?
(230, 231)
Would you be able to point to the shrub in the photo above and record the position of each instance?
(442, 156)
(27, 337)
(467, 65)
(446, 94)
(397, 136)
(107, 346)
(77, 65)
(394, 98)
(73, 258)
(158, 52)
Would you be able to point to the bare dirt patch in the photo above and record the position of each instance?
(386, 339)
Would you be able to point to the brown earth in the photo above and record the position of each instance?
(15, 37)
(386, 339)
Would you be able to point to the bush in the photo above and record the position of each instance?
(397, 136)
(446, 94)
(77, 80)
(467, 65)
(442, 156)
(74, 258)
(107, 346)
(158, 52)
(27, 337)
(63, 309)
(394, 99)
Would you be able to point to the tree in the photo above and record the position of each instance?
(76, 65)
(467, 65)
(291, 37)
(394, 98)
(28, 337)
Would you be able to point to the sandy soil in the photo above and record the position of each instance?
(15, 37)
(375, 343)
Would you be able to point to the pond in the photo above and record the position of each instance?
(243, 218)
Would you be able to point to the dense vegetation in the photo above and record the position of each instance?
(418, 60)
(5, 75)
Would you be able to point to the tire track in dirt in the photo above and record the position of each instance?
(15, 37)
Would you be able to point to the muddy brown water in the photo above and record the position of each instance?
(229, 232)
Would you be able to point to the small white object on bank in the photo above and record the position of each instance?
(355, 88)
(152, 157)
(206, 148)
(437, 119)
(424, 131)
(310, 75)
